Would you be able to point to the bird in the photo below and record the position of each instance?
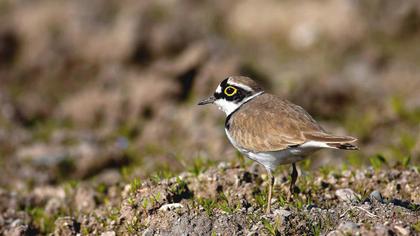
(269, 129)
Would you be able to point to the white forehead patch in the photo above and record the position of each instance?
(242, 86)
(219, 89)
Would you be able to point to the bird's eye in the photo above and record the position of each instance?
(230, 91)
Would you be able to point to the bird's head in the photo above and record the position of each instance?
(232, 92)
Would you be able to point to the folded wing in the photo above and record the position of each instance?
(268, 123)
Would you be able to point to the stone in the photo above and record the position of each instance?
(348, 227)
(18, 230)
(376, 195)
(148, 232)
(347, 195)
(380, 229)
(401, 230)
(108, 233)
(335, 233)
(282, 213)
(44, 193)
(223, 165)
(171, 206)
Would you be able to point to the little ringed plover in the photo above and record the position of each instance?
(270, 130)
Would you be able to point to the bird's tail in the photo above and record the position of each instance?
(333, 141)
(344, 146)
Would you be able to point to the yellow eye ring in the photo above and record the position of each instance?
(230, 91)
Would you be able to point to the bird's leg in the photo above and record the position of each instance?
(270, 190)
(293, 181)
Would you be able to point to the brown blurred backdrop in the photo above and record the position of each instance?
(94, 88)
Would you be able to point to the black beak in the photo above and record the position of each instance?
(208, 100)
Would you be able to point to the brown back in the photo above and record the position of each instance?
(269, 123)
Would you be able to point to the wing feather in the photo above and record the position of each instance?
(328, 138)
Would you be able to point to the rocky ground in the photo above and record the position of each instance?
(227, 199)
(98, 115)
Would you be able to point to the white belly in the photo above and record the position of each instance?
(271, 160)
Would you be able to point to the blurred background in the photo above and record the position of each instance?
(108, 89)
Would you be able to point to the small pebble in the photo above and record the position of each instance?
(171, 206)
(401, 230)
(223, 165)
(348, 227)
(148, 232)
(16, 223)
(376, 195)
(347, 195)
(335, 233)
(380, 229)
(108, 233)
(282, 213)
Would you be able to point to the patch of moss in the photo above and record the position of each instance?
(377, 161)
(412, 116)
(271, 228)
(135, 185)
(70, 185)
(180, 190)
(43, 221)
(416, 226)
(163, 173)
(134, 226)
(208, 204)
(200, 165)
(225, 205)
(260, 198)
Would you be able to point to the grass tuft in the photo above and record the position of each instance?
(135, 185)
(208, 205)
(377, 161)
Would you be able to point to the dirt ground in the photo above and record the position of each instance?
(98, 116)
(222, 200)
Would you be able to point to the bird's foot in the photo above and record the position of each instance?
(291, 194)
(290, 197)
